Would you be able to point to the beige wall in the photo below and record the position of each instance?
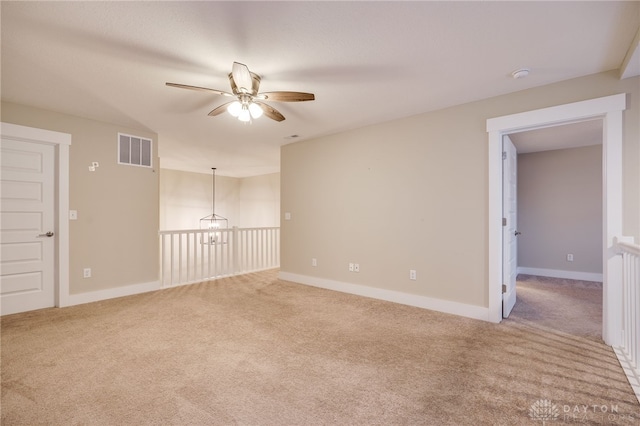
(185, 197)
(259, 201)
(412, 194)
(116, 234)
(560, 209)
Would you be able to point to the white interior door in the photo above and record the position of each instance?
(27, 236)
(510, 222)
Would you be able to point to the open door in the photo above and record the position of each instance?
(509, 225)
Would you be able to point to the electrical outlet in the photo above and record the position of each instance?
(86, 273)
(351, 267)
(314, 262)
(356, 267)
(413, 275)
(570, 257)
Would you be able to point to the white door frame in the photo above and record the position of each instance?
(61, 142)
(609, 109)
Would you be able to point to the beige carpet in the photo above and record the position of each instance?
(571, 306)
(255, 350)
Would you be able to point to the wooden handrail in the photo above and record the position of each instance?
(627, 246)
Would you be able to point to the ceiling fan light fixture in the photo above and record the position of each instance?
(245, 86)
(234, 108)
(255, 110)
(244, 115)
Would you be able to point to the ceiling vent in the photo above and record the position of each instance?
(134, 150)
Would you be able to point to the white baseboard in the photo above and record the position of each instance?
(111, 293)
(446, 306)
(555, 273)
(631, 373)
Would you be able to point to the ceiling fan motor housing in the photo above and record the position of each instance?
(255, 84)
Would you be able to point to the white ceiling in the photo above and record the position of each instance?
(366, 62)
(573, 135)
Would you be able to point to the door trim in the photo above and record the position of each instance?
(61, 142)
(609, 109)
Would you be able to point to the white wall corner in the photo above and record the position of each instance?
(631, 63)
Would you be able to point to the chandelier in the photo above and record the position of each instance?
(214, 223)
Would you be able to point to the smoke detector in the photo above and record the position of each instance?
(520, 73)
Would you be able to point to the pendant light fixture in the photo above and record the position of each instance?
(214, 222)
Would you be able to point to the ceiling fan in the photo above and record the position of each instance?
(249, 102)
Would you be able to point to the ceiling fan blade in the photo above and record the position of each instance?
(201, 89)
(287, 96)
(270, 111)
(219, 110)
(242, 77)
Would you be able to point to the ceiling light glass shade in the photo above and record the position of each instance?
(255, 110)
(234, 108)
(244, 114)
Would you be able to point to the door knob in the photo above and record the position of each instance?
(48, 234)
(517, 233)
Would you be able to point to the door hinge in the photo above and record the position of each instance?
(504, 221)
(504, 288)
(504, 155)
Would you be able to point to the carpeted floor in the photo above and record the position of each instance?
(255, 350)
(571, 306)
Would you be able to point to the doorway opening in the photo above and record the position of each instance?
(560, 200)
(559, 226)
(609, 109)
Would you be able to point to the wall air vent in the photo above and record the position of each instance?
(134, 150)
